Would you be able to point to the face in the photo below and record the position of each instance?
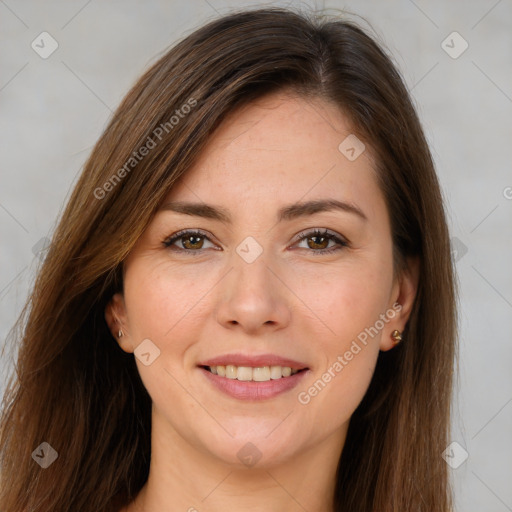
(258, 285)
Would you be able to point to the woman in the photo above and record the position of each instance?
(249, 301)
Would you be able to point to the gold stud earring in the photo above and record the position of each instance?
(397, 337)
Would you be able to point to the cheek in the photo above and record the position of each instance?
(345, 300)
(163, 306)
(348, 362)
(161, 302)
(341, 388)
(349, 303)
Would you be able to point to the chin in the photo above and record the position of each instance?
(257, 451)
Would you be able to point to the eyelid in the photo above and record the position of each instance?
(168, 241)
(322, 232)
(340, 241)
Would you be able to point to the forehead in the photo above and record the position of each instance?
(280, 149)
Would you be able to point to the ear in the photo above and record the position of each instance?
(116, 318)
(402, 301)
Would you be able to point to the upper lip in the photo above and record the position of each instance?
(254, 361)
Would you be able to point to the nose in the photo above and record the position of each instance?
(253, 298)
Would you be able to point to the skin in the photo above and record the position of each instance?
(291, 301)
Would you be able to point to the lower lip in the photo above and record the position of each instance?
(250, 390)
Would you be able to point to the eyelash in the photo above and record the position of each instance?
(325, 233)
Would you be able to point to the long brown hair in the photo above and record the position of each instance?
(76, 390)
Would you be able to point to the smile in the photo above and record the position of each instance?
(248, 373)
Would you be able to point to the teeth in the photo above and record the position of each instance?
(259, 374)
(231, 371)
(275, 372)
(244, 373)
(247, 373)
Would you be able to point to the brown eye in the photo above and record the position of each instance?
(187, 241)
(192, 242)
(319, 241)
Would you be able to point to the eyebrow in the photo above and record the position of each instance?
(286, 213)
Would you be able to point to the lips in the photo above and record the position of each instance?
(253, 377)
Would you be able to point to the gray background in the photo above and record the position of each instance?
(54, 110)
